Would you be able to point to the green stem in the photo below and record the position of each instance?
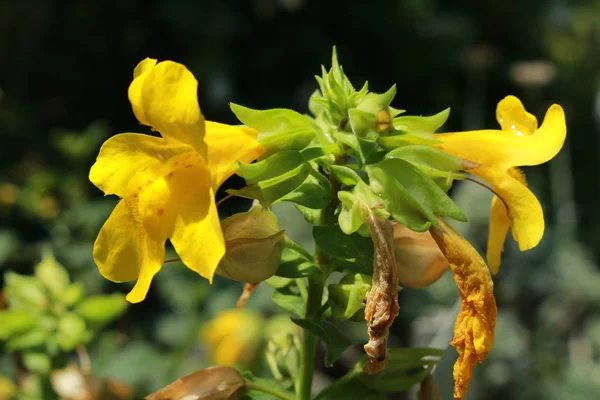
(289, 243)
(269, 390)
(316, 284)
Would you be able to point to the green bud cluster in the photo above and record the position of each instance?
(48, 317)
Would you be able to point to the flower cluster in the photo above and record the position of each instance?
(373, 183)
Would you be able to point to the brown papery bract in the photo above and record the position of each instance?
(474, 328)
(382, 300)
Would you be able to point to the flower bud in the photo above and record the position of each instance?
(347, 298)
(253, 244)
(419, 260)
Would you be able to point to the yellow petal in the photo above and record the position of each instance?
(227, 145)
(196, 233)
(165, 97)
(499, 225)
(505, 149)
(124, 155)
(135, 89)
(526, 214)
(124, 252)
(513, 117)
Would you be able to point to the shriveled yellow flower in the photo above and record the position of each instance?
(166, 184)
(234, 336)
(476, 321)
(519, 143)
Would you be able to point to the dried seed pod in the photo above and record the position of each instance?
(215, 383)
(382, 300)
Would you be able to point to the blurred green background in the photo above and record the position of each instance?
(64, 71)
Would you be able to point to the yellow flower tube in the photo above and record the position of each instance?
(520, 142)
(166, 184)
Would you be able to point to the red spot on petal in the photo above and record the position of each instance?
(160, 211)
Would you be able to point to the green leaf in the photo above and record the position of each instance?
(345, 175)
(399, 139)
(335, 342)
(279, 129)
(101, 309)
(295, 265)
(289, 301)
(53, 275)
(431, 161)
(278, 282)
(311, 215)
(309, 194)
(356, 207)
(25, 291)
(71, 331)
(275, 165)
(352, 389)
(72, 294)
(33, 338)
(405, 368)
(269, 383)
(411, 197)
(353, 248)
(37, 362)
(415, 124)
(347, 297)
(16, 322)
(374, 102)
(274, 189)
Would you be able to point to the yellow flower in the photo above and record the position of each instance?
(234, 337)
(519, 143)
(166, 184)
(475, 324)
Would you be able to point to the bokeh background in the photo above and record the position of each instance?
(64, 71)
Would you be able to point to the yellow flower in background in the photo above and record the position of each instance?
(166, 184)
(476, 321)
(519, 143)
(234, 336)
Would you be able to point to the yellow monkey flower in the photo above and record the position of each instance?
(166, 184)
(520, 142)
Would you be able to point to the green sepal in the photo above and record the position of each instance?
(102, 309)
(295, 265)
(335, 342)
(351, 248)
(346, 298)
(356, 207)
(363, 123)
(414, 124)
(412, 198)
(279, 128)
(442, 167)
(373, 102)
